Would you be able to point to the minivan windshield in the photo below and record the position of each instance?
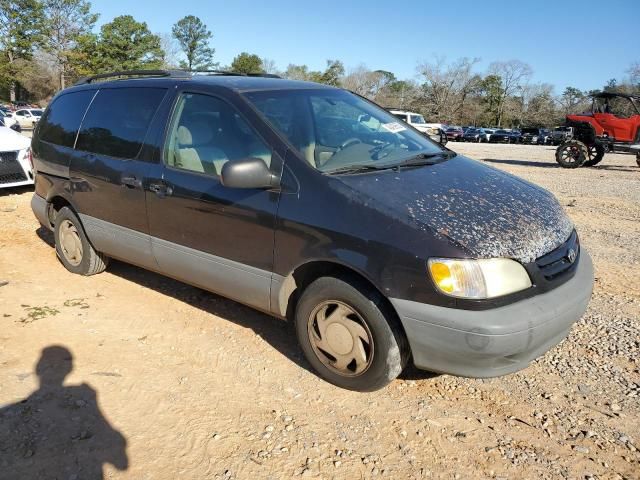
(417, 119)
(335, 130)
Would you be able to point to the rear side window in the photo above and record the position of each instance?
(62, 120)
(117, 121)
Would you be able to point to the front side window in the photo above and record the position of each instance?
(207, 132)
(334, 129)
(61, 123)
(117, 121)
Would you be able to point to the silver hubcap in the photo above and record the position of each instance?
(340, 338)
(70, 243)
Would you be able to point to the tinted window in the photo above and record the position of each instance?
(207, 132)
(117, 121)
(62, 120)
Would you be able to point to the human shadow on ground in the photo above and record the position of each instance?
(58, 432)
(278, 333)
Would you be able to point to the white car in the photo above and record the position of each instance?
(28, 117)
(418, 122)
(16, 167)
(7, 119)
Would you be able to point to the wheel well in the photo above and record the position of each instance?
(55, 205)
(305, 274)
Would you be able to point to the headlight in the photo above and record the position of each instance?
(482, 278)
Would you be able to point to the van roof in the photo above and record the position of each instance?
(230, 80)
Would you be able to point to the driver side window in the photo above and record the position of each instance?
(207, 132)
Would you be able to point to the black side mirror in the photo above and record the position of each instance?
(248, 173)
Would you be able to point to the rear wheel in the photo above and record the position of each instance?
(73, 247)
(596, 154)
(638, 158)
(572, 154)
(348, 334)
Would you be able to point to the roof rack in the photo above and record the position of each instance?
(166, 73)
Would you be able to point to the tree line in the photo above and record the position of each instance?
(45, 45)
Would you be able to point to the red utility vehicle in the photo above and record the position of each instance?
(613, 124)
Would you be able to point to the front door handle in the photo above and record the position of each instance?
(131, 182)
(160, 189)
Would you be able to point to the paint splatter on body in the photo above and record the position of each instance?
(488, 212)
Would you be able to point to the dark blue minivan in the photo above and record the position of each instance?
(312, 204)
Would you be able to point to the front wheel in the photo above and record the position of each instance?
(349, 335)
(572, 154)
(638, 158)
(73, 247)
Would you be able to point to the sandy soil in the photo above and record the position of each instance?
(169, 381)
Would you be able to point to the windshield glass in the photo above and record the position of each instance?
(334, 129)
(419, 119)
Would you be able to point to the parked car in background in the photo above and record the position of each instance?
(561, 134)
(435, 131)
(233, 183)
(475, 135)
(487, 134)
(16, 167)
(535, 136)
(454, 134)
(503, 136)
(8, 121)
(28, 117)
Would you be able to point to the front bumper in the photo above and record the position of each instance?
(495, 342)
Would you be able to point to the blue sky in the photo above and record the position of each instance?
(578, 43)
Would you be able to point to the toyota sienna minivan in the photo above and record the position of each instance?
(313, 204)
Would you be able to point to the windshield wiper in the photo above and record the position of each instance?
(358, 168)
(426, 158)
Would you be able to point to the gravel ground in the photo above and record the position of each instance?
(173, 382)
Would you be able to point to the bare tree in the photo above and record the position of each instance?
(447, 86)
(514, 75)
(634, 73)
(172, 50)
(269, 66)
(363, 81)
(66, 21)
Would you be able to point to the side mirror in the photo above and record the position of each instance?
(248, 173)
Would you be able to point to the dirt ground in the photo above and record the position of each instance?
(168, 381)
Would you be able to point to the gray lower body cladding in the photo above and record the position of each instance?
(39, 206)
(495, 342)
(244, 283)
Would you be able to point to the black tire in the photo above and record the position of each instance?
(572, 154)
(387, 348)
(90, 261)
(596, 154)
(638, 159)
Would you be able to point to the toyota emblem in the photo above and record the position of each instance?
(571, 255)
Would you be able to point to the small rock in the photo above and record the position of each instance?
(581, 449)
(615, 407)
(337, 463)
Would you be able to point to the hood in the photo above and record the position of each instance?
(11, 140)
(487, 212)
